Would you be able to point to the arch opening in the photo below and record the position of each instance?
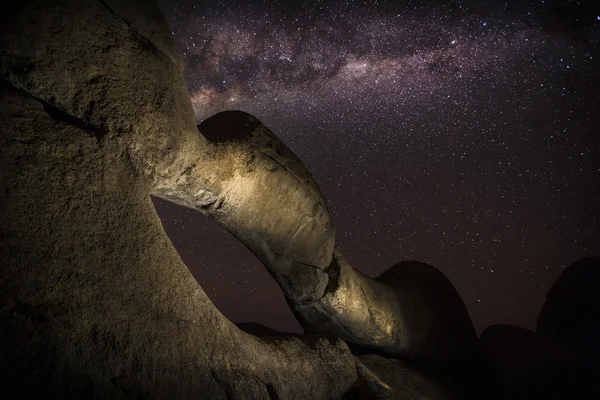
(233, 278)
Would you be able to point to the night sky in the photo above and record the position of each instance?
(465, 134)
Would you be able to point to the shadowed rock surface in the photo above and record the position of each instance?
(521, 364)
(387, 378)
(571, 313)
(559, 360)
(431, 304)
(94, 300)
(571, 316)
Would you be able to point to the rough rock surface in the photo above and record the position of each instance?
(414, 313)
(94, 299)
(411, 310)
(387, 378)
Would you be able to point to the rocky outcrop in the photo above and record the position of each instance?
(559, 360)
(388, 378)
(571, 313)
(94, 300)
(520, 364)
(259, 190)
(411, 310)
(571, 317)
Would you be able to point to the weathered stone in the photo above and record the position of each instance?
(411, 310)
(571, 313)
(386, 379)
(94, 300)
(266, 197)
(378, 377)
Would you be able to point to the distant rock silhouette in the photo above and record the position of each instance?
(521, 364)
(571, 313)
(383, 378)
(446, 333)
(560, 359)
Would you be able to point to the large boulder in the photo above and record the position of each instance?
(571, 316)
(571, 312)
(440, 326)
(94, 300)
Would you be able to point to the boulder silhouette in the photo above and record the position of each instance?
(571, 315)
(571, 312)
(521, 364)
(559, 360)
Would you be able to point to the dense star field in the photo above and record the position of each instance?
(465, 134)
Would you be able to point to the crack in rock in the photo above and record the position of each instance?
(59, 115)
(149, 44)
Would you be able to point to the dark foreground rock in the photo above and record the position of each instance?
(385, 378)
(521, 364)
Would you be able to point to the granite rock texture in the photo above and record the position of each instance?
(94, 300)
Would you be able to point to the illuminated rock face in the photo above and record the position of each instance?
(94, 299)
(267, 198)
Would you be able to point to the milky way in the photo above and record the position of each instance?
(338, 53)
(465, 135)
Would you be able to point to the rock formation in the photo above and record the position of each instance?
(523, 365)
(559, 360)
(95, 301)
(269, 200)
(571, 317)
(571, 313)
